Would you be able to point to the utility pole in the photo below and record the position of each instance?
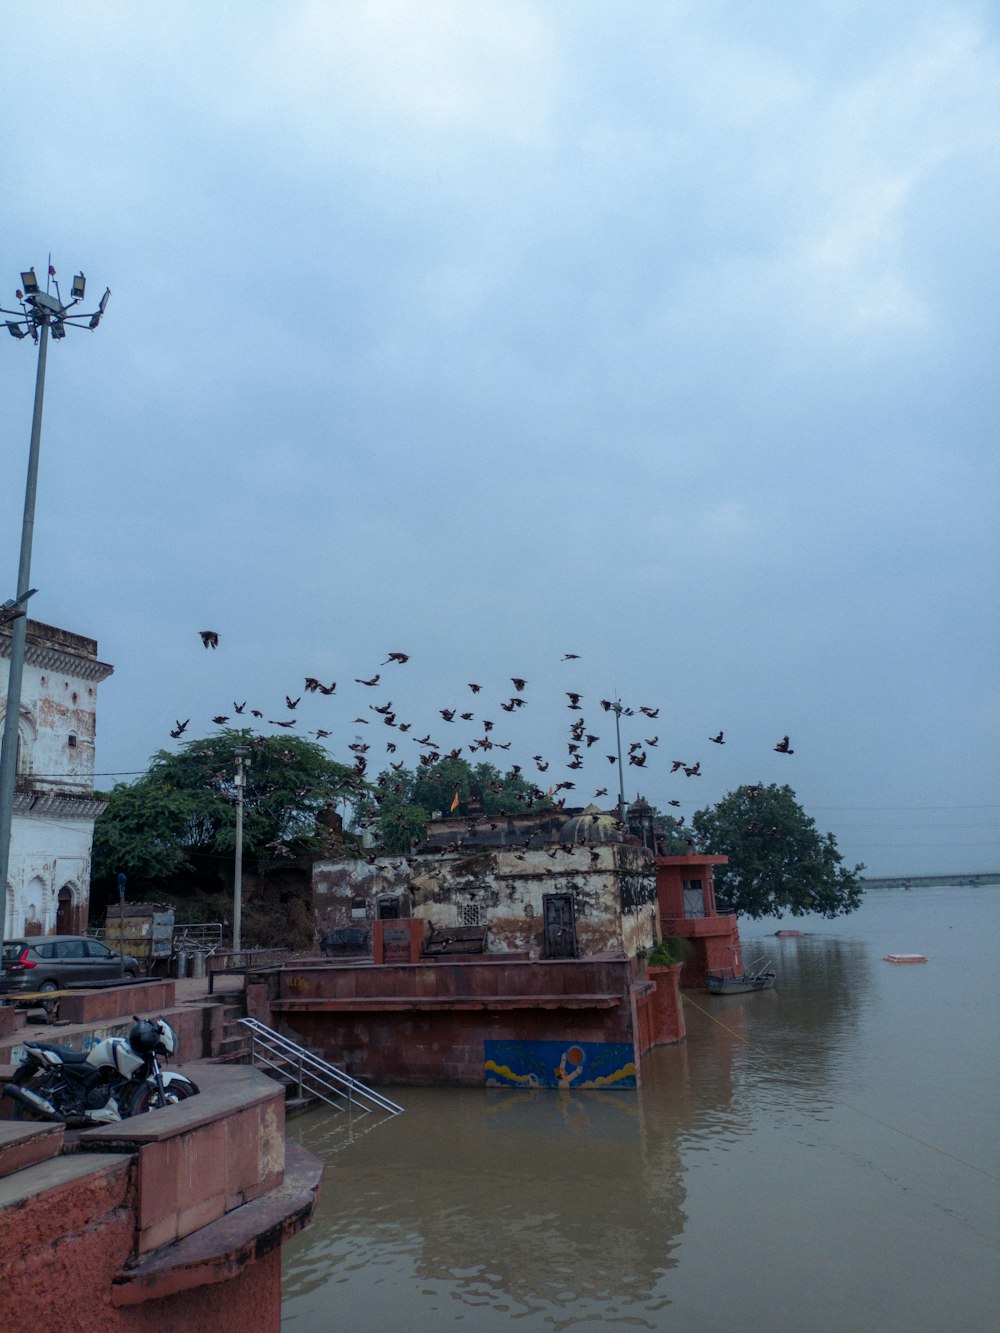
(40, 313)
(242, 753)
(619, 710)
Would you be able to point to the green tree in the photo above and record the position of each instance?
(778, 860)
(184, 808)
(403, 801)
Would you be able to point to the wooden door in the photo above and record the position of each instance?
(559, 913)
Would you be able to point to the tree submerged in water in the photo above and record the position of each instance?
(778, 860)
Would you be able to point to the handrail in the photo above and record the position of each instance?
(308, 1066)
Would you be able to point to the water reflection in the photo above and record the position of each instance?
(614, 1209)
(519, 1201)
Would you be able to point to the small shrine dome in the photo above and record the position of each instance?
(591, 826)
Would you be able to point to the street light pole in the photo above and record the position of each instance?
(241, 752)
(40, 313)
(618, 708)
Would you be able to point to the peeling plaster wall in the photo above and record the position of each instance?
(55, 808)
(613, 889)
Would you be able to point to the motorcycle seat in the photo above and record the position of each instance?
(65, 1053)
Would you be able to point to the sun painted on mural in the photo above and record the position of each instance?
(559, 1064)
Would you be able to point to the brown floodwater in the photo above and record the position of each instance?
(822, 1156)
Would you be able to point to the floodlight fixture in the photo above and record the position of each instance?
(79, 287)
(14, 330)
(58, 329)
(104, 299)
(29, 282)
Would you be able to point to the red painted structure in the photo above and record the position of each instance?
(685, 891)
(427, 1022)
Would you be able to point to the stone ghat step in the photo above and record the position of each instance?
(404, 1003)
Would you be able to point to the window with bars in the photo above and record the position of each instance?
(471, 914)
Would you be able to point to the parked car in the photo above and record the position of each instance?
(48, 962)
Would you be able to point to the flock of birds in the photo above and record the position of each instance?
(580, 741)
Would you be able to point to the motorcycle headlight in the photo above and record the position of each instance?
(168, 1037)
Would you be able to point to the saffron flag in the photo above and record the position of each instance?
(454, 804)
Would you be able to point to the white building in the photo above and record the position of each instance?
(54, 804)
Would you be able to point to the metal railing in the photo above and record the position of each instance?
(312, 1076)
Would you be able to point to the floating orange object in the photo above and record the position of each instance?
(904, 958)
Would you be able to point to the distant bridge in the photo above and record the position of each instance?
(922, 881)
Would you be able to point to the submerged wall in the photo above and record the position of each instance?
(439, 1022)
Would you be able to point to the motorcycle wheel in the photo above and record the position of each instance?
(148, 1099)
(13, 1110)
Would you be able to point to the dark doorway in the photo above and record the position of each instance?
(65, 916)
(560, 925)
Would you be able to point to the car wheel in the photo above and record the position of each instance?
(51, 1007)
(130, 975)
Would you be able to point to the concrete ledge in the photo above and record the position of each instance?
(220, 1250)
(203, 1157)
(26, 1144)
(447, 1003)
(116, 1001)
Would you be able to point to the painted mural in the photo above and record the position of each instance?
(559, 1064)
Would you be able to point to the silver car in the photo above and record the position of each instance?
(49, 962)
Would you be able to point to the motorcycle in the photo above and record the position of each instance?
(117, 1078)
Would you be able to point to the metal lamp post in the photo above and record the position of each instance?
(241, 752)
(619, 710)
(39, 314)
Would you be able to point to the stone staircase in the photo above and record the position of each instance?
(234, 1045)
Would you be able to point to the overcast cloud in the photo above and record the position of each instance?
(660, 333)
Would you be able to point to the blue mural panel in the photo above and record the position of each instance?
(559, 1064)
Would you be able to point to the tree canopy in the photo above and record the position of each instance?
(778, 860)
(185, 806)
(401, 806)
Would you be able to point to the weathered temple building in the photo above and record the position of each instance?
(54, 804)
(539, 886)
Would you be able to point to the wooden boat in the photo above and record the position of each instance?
(758, 976)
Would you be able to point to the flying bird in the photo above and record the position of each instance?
(518, 683)
(221, 720)
(474, 687)
(653, 741)
(180, 728)
(718, 740)
(602, 791)
(570, 657)
(320, 734)
(293, 703)
(272, 723)
(783, 747)
(238, 708)
(694, 770)
(374, 680)
(574, 700)
(650, 712)
(676, 764)
(466, 717)
(209, 638)
(448, 714)
(397, 657)
(255, 712)
(673, 803)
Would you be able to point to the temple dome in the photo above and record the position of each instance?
(591, 826)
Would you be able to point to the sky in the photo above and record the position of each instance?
(662, 334)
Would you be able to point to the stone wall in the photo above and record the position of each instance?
(428, 1023)
(612, 887)
(173, 1220)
